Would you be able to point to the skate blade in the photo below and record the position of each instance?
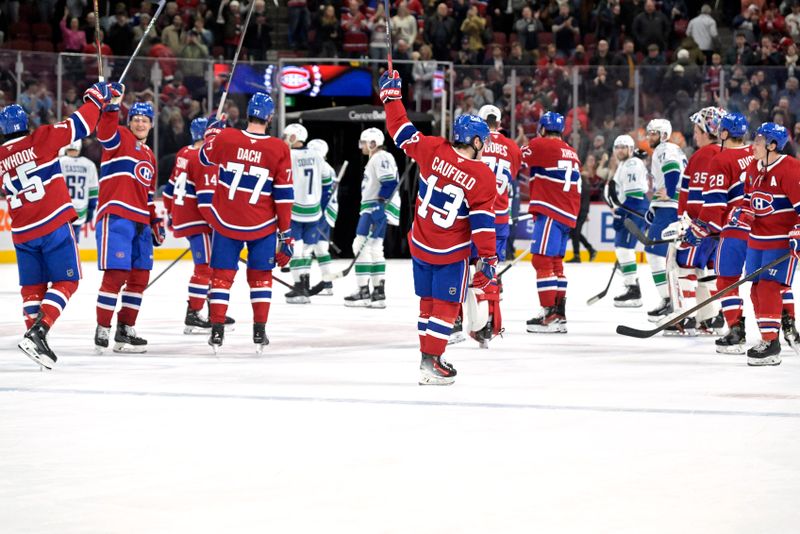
(761, 362)
(356, 304)
(428, 380)
(189, 330)
(689, 332)
(795, 347)
(124, 348)
(99, 350)
(298, 300)
(456, 338)
(378, 305)
(29, 348)
(326, 293)
(731, 349)
(216, 348)
(535, 329)
(656, 318)
(260, 348)
(628, 304)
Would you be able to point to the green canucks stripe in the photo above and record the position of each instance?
(327, 180)
(670, 166)
(387, 178)
(363, 268)
(93, 192)
(306, 210)
(660, 277)
(331, 212)
(628, 268)
(635, 194)
(391, 209)
(324, 259)
(379, 268)
(300, 263)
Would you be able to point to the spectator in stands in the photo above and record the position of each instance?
(528, 28)
(480, 93)
(610, 131)
(625, 65)
(206, 37)
(651, 74)
(772, 22)
(551, 57)
(75, 8)
(681, 75)
(607, 22)
(404, 24)
(703, 29)
(753, 112)
(651, 27)
(440, 31)
(579, 58)
(749, 24)
(403, 52)
(496, 60)
(120, 36)
(164, 55)
(783, 107)
(298, 24)
(258, 38)
(741, 53)
(174, 136)
(328, 35)
(172, 35)
(90, 64)
(740, 100)
(467, 106)
(600, 95)
(793, 21)
(235, 119)
(354, 22)
(71, 101)
(520, 59)
(790, 60)
(472, 29)
(36, 101)
(73, 38)
(376, 24)
(193, 52)
(423, 74)
(232, 30)
(601, 55)
(565, 30)
(138, 29)
(677, 115)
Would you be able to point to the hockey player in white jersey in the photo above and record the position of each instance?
(377, 204)
(625, 194)
(310, 198)
(667, 165)
(80, 174)
(328, 219)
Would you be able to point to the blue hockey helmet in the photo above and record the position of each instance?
(735, 124)
(552, 122)
(774, 133)
(14, 119)
(198, 127)
(141, 108)
(466, 127)
(260, 106)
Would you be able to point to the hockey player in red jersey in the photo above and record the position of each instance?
(555, 199)
(250, 204)
(772, 207)
(127, 226)
(454, 208)
(41, 214)
(180, 200)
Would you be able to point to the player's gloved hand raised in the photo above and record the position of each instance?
(285, 249)
(741, 217)
(216, 126)
(695, 233)
(159, 233)
(117, 92)
(794, 240)
(99, 94)
(390, 86)
(485, 271)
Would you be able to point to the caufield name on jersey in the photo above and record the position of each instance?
(446, 170)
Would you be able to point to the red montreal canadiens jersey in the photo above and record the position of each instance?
(503, 157)
(127, 173)
(555, 172)
(180, 194)
(455, 203)
(724, 190)
(254, 190)
(694, 180)
(37, 196)
(774, 195)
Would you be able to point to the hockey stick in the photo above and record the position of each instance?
(170, 266)
(604, 292)
(97, 44)
(510, 265)
(387, 16)
(283, 283)
(641, 237)
(642, 334)
(224, 96)
(161, 4)
(523, 217)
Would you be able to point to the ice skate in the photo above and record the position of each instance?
(713, 326)
(101, 335)
(434, 371)
(323, 288)
(765, 353)
(661, 311)
(35, 345)
(217, 337)
(230, 323)
(732, 342)
(359, 299)
(260, 337)
(457, 334)
(378, 297)
(632, 298)
(299, 294)
(484, 335)
(126, 340)
(194, 323)
(790, 332)
(547, 322)
(687, 327)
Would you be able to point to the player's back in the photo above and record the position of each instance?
(773, 193)
(724, 189)
(504, 158)
(180, 194)
(695, 178)
(34, 186)
(381, 168)
(80, 175)
(127, 177)
(555, 189)
(307, 173)
(254, 175)
(454, 205)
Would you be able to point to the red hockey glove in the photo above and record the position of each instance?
(285, 249)
(794, 240)
(484, 272)
(390, 86)
(159, 233)
(741, 217)
(216, 126)
(99, 94)
(695, 234)
(117, 92)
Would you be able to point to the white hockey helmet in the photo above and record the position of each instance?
(320, 146)
(624, 141)
(371, 134)
(75, 145)
(297, 130)
(662, 126)
(489, 109)
(708, 119)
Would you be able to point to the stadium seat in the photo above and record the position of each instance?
(20, 30)
(42, 31)
(589, 39)
(545, 38)
(18, 44)
(355, 43)
(43, 46)
(500, 38)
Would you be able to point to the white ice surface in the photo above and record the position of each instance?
(328, 431)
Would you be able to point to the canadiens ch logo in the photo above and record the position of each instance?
(144, 172)
(761, 203)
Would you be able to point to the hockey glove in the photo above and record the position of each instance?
(794, 240)
(650, 216)
(696, 232)
(215, 127)
(390, 86)
(485, 271)
(741, 217)
(117, 92)
(358, 243)
(159, 233)
(285, 248)
(99, 94)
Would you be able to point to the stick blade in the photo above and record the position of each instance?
(635, 332)
(595, 299)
